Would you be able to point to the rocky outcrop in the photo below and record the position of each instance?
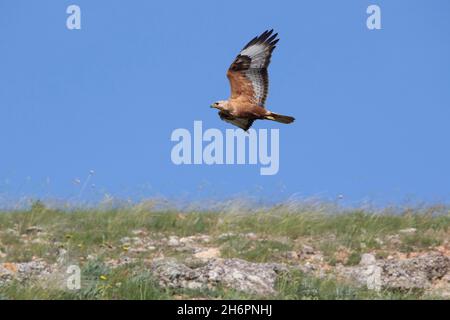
(23, 271)
(256, 278)
(418, 273)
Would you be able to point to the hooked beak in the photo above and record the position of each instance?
(212, 106)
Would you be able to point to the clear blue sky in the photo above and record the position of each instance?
(372, 107)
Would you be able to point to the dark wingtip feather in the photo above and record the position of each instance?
(269, 38)
(265, 37)
(272, 37)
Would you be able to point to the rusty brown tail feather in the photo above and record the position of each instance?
(279, 118)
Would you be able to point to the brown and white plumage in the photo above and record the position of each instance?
(249, 81)
(250, 67)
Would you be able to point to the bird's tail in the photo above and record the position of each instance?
(279, 118)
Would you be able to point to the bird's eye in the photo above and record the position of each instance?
(216, 103)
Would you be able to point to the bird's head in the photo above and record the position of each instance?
(221, 105)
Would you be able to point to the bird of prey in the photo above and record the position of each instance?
(249, 81)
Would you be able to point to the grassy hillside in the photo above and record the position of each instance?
(115, 248)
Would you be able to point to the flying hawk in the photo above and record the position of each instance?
(249, 81)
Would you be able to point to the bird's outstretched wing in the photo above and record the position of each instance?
(242, 123)
(248, 76)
